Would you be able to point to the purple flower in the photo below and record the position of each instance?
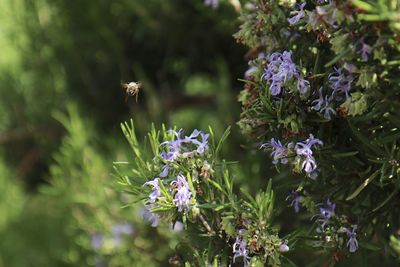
(352, 243)
(279, 151)
(156, 189)
(296, 200)
(340, 82)
(177, 226)
(97, 241)
(203, 145)
(164, 171)
(298, 14)
(183, 193)
(212, 3)
(173, 150)
(183, 147)
(309, 164)
(120, 229)
(326, 212)
(149, 216)
(318, 102)
(287, 68)
(327, 109)
(249, 72)
(304, 149)
(323, 105)
(303, 86)
(284, 247)
(281, 69)
(239, 250)
(365, 50)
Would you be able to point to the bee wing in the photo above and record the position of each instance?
(124, 85)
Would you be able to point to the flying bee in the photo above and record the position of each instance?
(132, 89)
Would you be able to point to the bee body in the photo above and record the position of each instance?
(132, 88)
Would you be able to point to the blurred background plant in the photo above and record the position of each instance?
(61, 103)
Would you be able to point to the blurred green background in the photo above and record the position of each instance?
(61, 102)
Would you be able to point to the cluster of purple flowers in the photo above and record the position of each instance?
(304, 150)
(183, 146)
(281, 69)
(240, 250)
(180, 147)
(327, 212)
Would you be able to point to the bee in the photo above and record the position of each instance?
(132, 89)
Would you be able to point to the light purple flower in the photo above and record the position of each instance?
(173, 149)
(249, 72)
(118, 230)
(327, 109)
(317, 104)
(303, 85)
(203, 145)
(352, 243)
(212, 3)
(340, 82)
(296, 200)
(122, 229)
(304, 150)
(284, 247)
(156, 189)
(177, 226)
(149, 216)
(365, 50)
(183, 193)
(239, 250)
(97, 241)
(279, 151)
(309, 164)
(183, 146)
(327, 211)
(164, 171)
(279, 70)
(298, 14)
(323, 105)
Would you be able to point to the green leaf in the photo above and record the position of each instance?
(345, 154)
(386, 200)
(222, 140)
(363, 5)
(227, 225)
(363, 185)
